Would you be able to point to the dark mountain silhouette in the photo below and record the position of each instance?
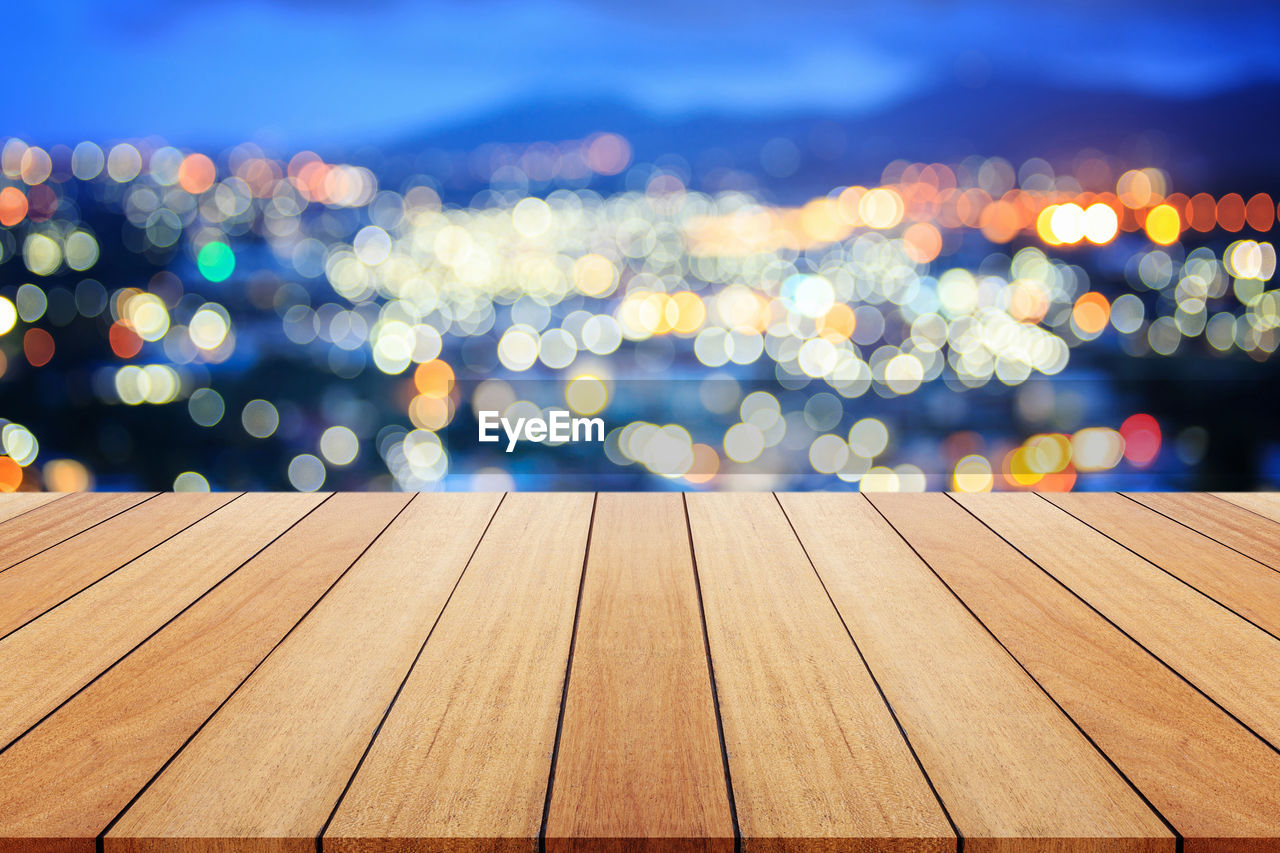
(1226, 141)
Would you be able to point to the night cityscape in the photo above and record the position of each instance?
(908, 247)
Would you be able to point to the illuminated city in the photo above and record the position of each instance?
(174, 317)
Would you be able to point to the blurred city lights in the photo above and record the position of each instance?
(381, 312)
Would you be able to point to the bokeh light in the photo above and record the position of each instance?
(254, 318)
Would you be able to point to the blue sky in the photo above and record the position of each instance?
(323, 71)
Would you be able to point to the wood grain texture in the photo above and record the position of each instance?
(16, 503)
(462, 761)
(1232, 525)
(1239, 582)
(1229, 659)
(816, 759)
(57, 654)
(269, 767)
(1265, 504)
(45, 526)
(1008, 765)
(1215, 782)
(116, 734)
(219, 691)
(639, 766)
(40, 582)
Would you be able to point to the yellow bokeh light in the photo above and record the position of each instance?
(208, 327)
(1134, 188)
(531, 217)
(1163, 224)
(972, 474)
(1250, 259)
(429, 412)
(1044, 225)
(149, 318)
(1020, 468)
(42, 254)
(595, 275)
(881, 208)
(586, 394)
(1049, 454)
(657, 313)
(880, 478)
(8, 315)
(1067, 223)
(848, 203)
(821, 221)
(67, 475)
(1097, 449)
(1101, 224)
(690, 312)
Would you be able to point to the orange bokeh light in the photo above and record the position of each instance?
(1260, 212)
(13, 206)
(125, 342)
(1202, 212)
(838, 323)
(1231, 212)
(922, 242)
(37, 345)
(1091, 312)
(1000, 222)
(1028, 302)
(706, 462)
(10, 474)
(196, 174)
(434, 378)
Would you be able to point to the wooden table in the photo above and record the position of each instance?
(475, 672)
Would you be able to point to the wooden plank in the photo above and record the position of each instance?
(47, 525)
(1230, 578)
(56, 655)
(1265, 504)
(115, 735)
(462, 761)
(1233, 526)
(1215, 782)
(16, 503)
(816, 759)
(1229, 659)
(639, 766)
(1007, 764)
(42, 581)
(267, 770)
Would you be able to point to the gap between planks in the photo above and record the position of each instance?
(726, 721)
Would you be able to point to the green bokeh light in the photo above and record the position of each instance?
(216, 261)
